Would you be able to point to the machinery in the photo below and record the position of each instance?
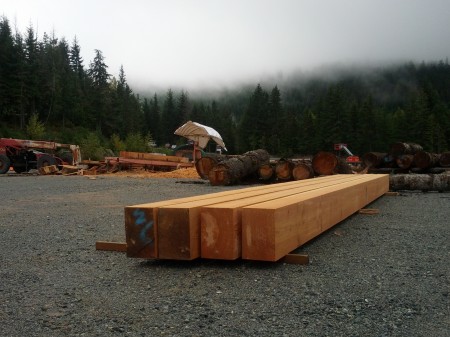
(24, 155)
(351, 157)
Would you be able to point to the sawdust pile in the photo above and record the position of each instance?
(189, 172)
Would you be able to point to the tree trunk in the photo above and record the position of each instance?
(233, 170)
(445, 159)
(405, 161)
(283, 169)
(374, 159)
(302, 171)
(398, 149)
(425, 160)
(421, 182)
(327, 163)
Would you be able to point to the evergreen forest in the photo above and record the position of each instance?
(48, 92)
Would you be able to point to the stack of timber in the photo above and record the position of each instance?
(148, 161)
(258, 223)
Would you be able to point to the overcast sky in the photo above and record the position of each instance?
(192, 43)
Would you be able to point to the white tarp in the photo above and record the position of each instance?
(200, 133)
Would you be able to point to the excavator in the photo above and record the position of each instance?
(351, 159)
(24, 155)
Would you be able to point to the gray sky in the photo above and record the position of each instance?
(204, 43)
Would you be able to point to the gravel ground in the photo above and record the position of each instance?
(371, 275)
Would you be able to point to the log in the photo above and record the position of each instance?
(283, 169)
(273, 229)
(326, 163)
(444, 160)
(374, 159)
(233, 170)
(303, 170)
(405, 161)
(205, 164)
(420, 182)
(266, 172)
(398, 149)
(424, 160)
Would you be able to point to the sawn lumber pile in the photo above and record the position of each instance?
(258, 223)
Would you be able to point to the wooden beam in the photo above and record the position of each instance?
(270, 230)
(221, 222)
(141, 221)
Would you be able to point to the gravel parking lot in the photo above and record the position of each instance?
(371, 275)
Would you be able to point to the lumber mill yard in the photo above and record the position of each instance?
(228, 245)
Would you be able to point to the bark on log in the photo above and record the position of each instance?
(444, 161)
(405, 161)
(303, 171)
(398, 149)
(421, 182)
(327, 163)
(266, 172)
(232, 170)
(425, 160)
(374, 159)
(283, 169)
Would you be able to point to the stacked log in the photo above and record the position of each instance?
(266, 172)
(444, 160)
(303, 170)
(374, 159)
(425, 160)
(406, 158)
(327, 163)
(399, 149)
(283, 169)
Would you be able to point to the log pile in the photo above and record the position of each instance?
(406, 158)
(257, 223)
(411, 167)
(228, 170)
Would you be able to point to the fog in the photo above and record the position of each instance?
(196, 44)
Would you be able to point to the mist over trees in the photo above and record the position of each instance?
(77, 101)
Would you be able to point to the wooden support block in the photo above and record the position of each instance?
(270, 230)
(221, 222)
(295, 259)
(392, 194)
(369, 211)
(111, 246)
